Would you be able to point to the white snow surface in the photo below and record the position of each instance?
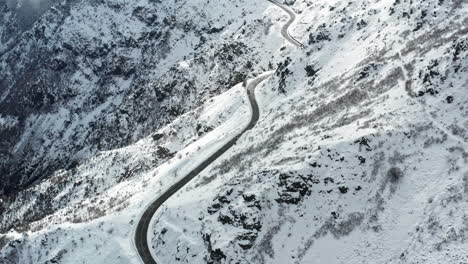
(362, 161)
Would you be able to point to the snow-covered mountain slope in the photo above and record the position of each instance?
(361, 160)
(359, 155)
(94, 76)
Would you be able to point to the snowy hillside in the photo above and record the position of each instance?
(359, 154)
(90, 77)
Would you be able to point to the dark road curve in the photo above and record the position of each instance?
(141, 231)
(284, 29)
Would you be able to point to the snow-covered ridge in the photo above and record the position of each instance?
(359, 155)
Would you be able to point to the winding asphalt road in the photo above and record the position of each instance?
(284, 29)
(141, 232)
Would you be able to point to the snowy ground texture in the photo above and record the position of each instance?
(360, 154)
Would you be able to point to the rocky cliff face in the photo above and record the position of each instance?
(359, 155)
(18, 17)
(90, 76)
